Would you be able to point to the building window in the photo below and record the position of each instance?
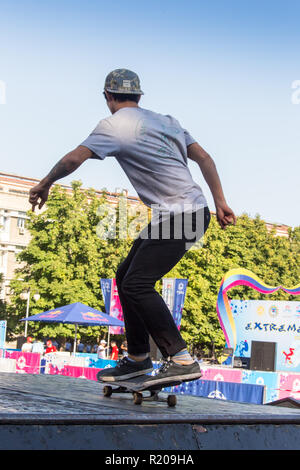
(3, 222)
(17, 191)
(21, 220)
(21, 223)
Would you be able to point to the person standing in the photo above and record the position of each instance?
(27, 347)
(124, 349)
(114, 351)
(101, 351)
(50, 347)
(153, 150)
(38, 347)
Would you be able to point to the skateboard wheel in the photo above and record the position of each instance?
(107, 391)
(137, 398)
(172, 400)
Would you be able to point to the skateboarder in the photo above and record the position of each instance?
(152, 149)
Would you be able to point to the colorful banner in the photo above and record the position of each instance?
(222, 374)
(99, 363)
(106, 292)
(115, 309)
(168, 292)
(238, 392)
(272, 321)
(26, 363)
(74, 371)
(289, 386)
(238, 277)
(2, 333)
(173, 293)
(112, 303)
(268, 379)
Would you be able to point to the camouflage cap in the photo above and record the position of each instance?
(123, 81)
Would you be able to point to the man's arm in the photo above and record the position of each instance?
(225, 215)
(69, 163)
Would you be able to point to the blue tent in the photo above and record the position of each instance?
(77, 314)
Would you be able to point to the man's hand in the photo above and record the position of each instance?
(38, 195)
(225, 215)
(69, 163)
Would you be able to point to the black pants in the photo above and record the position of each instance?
(145, 311)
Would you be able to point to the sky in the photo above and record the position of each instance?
(224, 69)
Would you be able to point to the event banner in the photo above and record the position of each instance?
(173, 293)
(74, 371)
(289, 386)
(115, 309)
(268, 320)
(26, 363)
(218, 389)
(106, 290)
(268, 379)
(112, 303)
(2, 333)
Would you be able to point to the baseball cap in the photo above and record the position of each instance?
(123, 81)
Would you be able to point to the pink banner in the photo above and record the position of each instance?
(224, 375)
(115, 309)
(289, 386)
(26, 363)
(89, 373)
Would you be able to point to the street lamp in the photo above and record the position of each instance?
(26, 296)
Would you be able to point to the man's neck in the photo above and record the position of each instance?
(124, 104)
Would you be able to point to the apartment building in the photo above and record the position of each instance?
(14, 192)
(14, 237)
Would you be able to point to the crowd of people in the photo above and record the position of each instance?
(38, 346)
(102, 349)
(114, 352)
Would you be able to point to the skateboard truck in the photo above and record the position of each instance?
(138, 396)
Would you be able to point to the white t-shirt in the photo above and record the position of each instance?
(101, 352)
(152, 150)
(27, 347)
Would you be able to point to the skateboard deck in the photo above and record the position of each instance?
(137, 386)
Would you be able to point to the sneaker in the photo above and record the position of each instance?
(125, 369)
(170, 371)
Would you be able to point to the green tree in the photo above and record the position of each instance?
(247, 245)
(65, 260)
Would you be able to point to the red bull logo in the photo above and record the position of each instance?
(50, 315)
(93, 316)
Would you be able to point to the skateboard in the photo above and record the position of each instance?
(137, 386)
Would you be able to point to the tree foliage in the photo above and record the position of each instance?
(247, 245)
(65, 260)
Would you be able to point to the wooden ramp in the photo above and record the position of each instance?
(57, 412)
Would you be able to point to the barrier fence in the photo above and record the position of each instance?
(216, 382)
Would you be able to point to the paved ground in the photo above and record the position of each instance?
(39, 396)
